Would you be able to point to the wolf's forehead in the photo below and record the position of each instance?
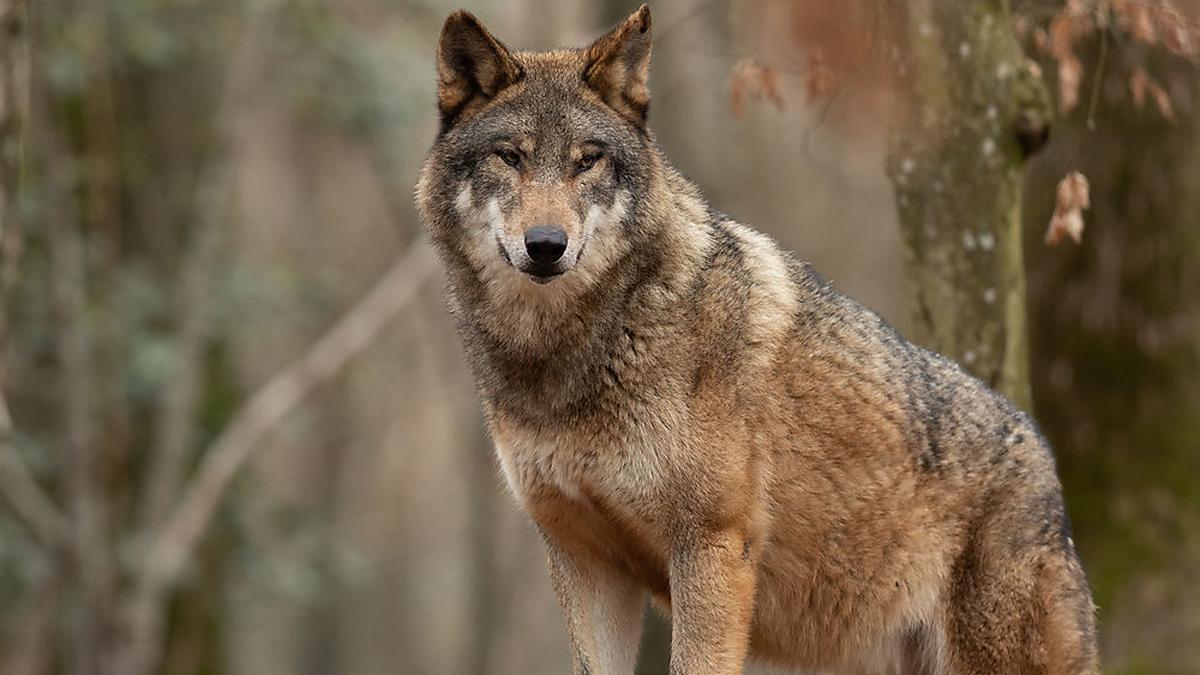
(553, 107)
(550, 110)
(557, 73)
(550, 60)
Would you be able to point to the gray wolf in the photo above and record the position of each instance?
(688, 413)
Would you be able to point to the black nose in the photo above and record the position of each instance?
(545, 244)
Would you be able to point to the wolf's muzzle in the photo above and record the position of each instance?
(545, 244)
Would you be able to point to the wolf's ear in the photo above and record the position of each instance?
(618, 66)
(472, 66)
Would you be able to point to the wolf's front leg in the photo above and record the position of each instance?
(602, 607)
(712, 603)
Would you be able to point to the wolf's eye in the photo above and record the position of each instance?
(587, 161)
(510, 157)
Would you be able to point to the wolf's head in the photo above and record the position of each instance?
(534, 184)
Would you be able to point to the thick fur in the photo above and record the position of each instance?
(689, 413)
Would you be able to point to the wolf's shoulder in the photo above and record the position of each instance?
(951, 416)
(842, 340)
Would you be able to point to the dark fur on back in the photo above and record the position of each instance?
(688, 412)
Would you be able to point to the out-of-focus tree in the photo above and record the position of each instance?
(29, 557)
(965, 108)
(1115, 355)
(193, 194)
(122, 222)
(1116, 318)
(972, 107)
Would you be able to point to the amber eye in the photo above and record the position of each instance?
(510, 157)
(587, 161)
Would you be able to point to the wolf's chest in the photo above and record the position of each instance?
(585, 468)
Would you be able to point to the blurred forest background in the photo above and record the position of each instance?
(237, 434)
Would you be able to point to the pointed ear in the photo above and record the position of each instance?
(618, 66)
(472, 66)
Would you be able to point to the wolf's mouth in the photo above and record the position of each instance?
(543, 278)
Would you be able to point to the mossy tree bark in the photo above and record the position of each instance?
(1116, 358)
(955, 161)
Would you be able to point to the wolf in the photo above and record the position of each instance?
(691, 415)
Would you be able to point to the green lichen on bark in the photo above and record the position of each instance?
(1116, 360)
(955, 163)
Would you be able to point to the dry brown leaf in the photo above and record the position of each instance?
(1163, 100)
(1141, 24)
(1071, 198)
(1070, 22)
(737, 92)
(819, 80)
(1174, 30)
(1181, 41)
(1041, 40)
(1140, 84)
(1061, 34)
(1070, 73)
(1159, 22)
(1137, 87)
(1069, 224)
(750, 80)
(769, 80)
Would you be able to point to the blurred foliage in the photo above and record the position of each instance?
(372, 535)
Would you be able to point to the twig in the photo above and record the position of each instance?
(274, 400)
(176, 421)
(85, 501)
(169, 550)
(28, 502)
(144, 607)
(1101, 61)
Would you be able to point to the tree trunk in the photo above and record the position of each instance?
(1116, 374)
(13, 68)
(955, 161)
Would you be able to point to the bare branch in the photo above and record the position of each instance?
(35, 511)
(84, 499)
(176, 421)
(168, 552)
(32, 507)
(144, 608)
(353, 332)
